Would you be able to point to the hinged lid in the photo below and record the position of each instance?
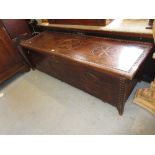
(113, 56)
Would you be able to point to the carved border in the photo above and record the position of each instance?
(121, 96)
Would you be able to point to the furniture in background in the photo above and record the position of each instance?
(19, 30)
(145, 97)
(11, 62)
(93, 22)
(124, 28)
(16, 27)
(106, 68)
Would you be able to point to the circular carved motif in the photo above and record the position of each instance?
(102, 51)
(69, 44)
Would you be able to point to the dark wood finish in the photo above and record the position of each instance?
(93, 22)
(10, 60)
(105, 68)
(16, 27)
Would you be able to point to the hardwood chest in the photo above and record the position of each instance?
(106, 68)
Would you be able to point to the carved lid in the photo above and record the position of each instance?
(113, 56)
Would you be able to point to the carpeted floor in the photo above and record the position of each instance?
(35, 103)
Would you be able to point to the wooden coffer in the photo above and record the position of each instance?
(106, 68)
